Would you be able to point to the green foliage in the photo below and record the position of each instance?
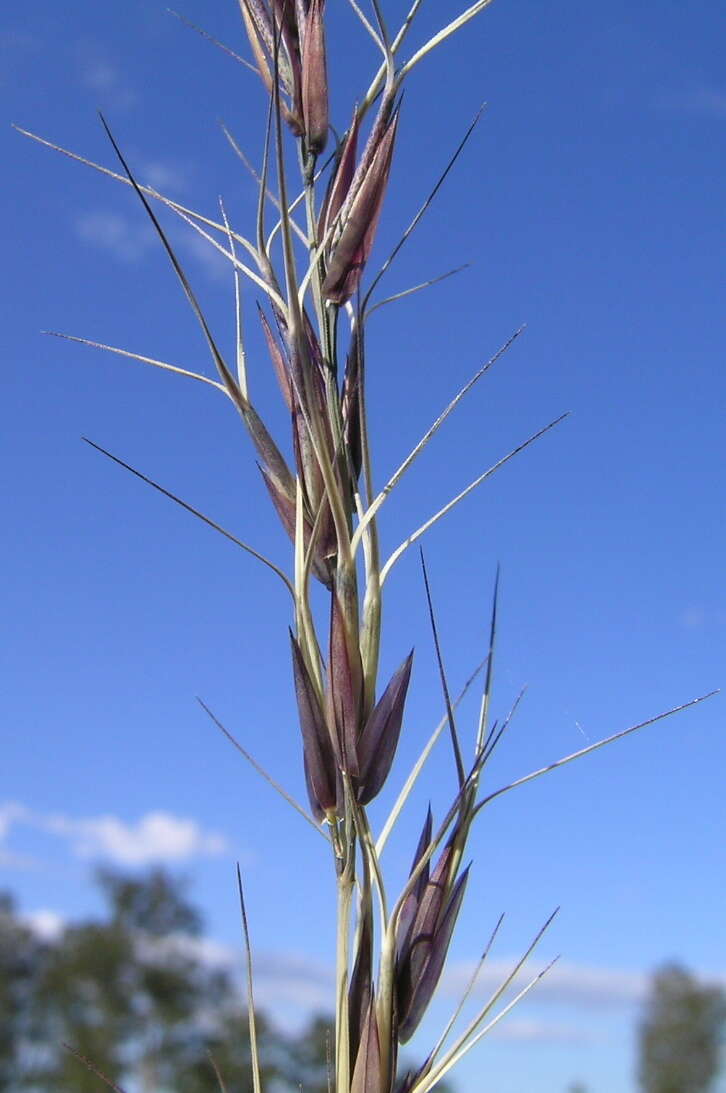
(130, 993)
(155, 906)
(20, 954)
(681, 1034)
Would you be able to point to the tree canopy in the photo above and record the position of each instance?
(131, 993)
(681, 1033)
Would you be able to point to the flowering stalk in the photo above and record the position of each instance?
(313, 320)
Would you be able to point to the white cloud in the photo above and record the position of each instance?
(579, 985)
(156, 837)
(46, 924)
(564, 984)
(703, 101)
(698, 616)
(212, 261)
(10, 813)
(125, 239)
(286, 983)
(212, 954)
(542, 1032)
(292, 985)
(283, 979)
(694, 617)
(161, 176)
(16, 861)
(101, 76)
(129, 239)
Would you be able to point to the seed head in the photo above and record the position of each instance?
(424, 947)
(275, 47)
(379, 738)
(315, 80)
(341, 179)
(367, 1077)
(345, 687)
(359, 223)
(320, 763)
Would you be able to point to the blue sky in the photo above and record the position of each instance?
(590, 206)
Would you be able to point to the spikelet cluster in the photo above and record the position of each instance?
(316, 304)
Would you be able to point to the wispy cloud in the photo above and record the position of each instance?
(204, 949)
(130, 239)
(155, 837)
(10, 860)
(211, 261)
(10, 813)
(540, 1032)
(45, 924)
(300, 982)
(293, 979)
(160, 175)
(102, 76)
(293, 985)
(564, 984)
(698, 616)
(288, 980)
(701, 101)
(123, 238)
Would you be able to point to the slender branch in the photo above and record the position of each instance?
(465, 995)
(445, 1066)
(261, 770)
(415, 535)
(593, 747)
(424, 208)
(377, 82)
(418, 765)
(138, 357)
(251, 1015)
(366, 23)
(430, 433)
(93, 1068)
(269, 195)
(446, 32)
(149, 191)
(256, 278)
(487, 694)
(195, 512)
(415, 288)
(442, 675)
(214, 41)
(219, 362)
(239, 333)
(217, 1073)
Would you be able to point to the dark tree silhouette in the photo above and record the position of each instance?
(131, 993)
(681, 1034)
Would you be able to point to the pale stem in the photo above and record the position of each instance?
(372, 602)
(342, 1028)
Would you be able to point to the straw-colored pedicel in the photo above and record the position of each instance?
(307, 256)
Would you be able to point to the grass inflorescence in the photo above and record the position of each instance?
(318, 210)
